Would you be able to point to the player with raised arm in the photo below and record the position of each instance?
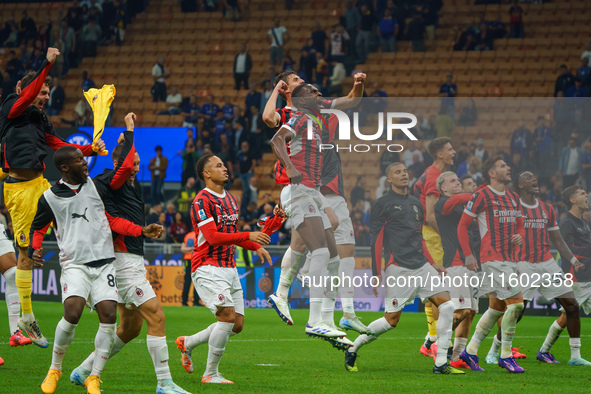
(302, 200)
(425, 189)
(24, 134)
(215, 213)
(448, 212)
(76, 207)
(577, 236)
(137, 300)
(396, 226)
(292, 260)
(501, 229)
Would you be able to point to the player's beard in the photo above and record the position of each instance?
(226, 181)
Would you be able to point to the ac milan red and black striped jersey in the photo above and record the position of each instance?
(497, 214)
(426, 185)
(286, 113)
(537, 220)
(223, 211)
(305, 153)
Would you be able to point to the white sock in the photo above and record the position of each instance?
(305, 270)
(318, 266)
(290, 265)
(330, 293)
(117, 346)
(13, 302)
(508, 328)
(553, 334)
(103, 342)
(28, 317)
(444, 330)
(459, 346)
(485, 324)
(346, 291)
(575, 348)
(159, 351)
(200, 338)
(64, 333)
(217, 344)
(379, 326)
(496, 345)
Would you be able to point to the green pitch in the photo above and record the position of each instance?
(269, 356)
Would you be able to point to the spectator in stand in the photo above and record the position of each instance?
(417, 166)
(570, 164)
(91, 34)
(57, 70)
(377, 91)
(246, 162)
(352, 22)
(358, 192)
(228, 108)
(240, 135)
(448, 91)
(583, 71)
(322, 72)
(68, 36)
(564, 81)
(37, 59)
(82, 113)
(159, 74)
(462, 155)
(576, 90)
(563, 116)
(543, 148)
(360, 228)
(339, 42)
(219, 129)
(387, 30)
(319, 38)
(13, 37)
(521, 141)
(231, 10)
(178, 229)
(164, 236)
(226, 154)
(444, 125)
(173, 102)
(277, 37)
(266, 199)
(57, 96)
(239, 116)
(587, 52)
(474, 170)
(28, 28)
(208, 111)
(253, 97)
(190, 157)
(186, 195)
(190, 111)
(187, 248)
(242, 67)
(170, 212)
(415, 32)
(249, 217)
(307, 64)
(14, 67)
(586, 164)
(516, 20)
(256, 135)
(480, 152)
(365, 32)
(336, 80)
(157, 166)
(267, 91)
(154, 213)
(430, 16)
(409, 151)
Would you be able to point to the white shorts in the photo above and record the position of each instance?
(582, 292)
(6, 245)
(93, 284)
(462, 293)
(404, 284)
(300, 202)
(496, 276)
(132, 284)
(218, 286)
(546, 277)
(344, 234)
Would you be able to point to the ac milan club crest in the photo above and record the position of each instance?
(22, 238)
(395, 303)
(65, 287)
(509, 288)
(311, 208)
(461, 299)
(139, 292)
(221, 298)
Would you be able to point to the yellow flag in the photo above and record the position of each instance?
(100, 101)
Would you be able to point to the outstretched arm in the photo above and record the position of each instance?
(270, 116)
(354, 96)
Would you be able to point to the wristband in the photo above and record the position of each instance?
(573, 260)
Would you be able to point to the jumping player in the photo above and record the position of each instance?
(214, 213)
(24, 134)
